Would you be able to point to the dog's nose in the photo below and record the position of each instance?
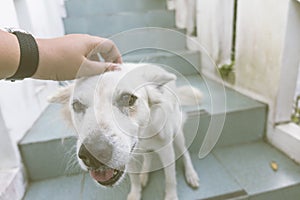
(95, 156)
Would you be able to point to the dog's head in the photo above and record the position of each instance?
(107, 112)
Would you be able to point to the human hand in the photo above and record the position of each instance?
(76, 55)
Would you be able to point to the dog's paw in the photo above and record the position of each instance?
(144, 179)
(134, 196)
(192, 178)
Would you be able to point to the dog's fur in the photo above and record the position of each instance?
(151, 122)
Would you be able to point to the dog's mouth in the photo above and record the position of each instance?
(106, 176)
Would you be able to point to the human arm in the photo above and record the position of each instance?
(62, 58)
(9, 54)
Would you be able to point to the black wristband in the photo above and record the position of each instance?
(29, 56)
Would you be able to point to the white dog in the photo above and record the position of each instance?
(124, 114)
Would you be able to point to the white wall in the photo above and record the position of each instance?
(21, 102)
(298, 82)
(214, 31)
(261, 31)
(44, 16)
(8, 14)
(261, 28)
(8, 155)
(267, 60)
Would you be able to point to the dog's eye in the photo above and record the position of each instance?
(127, 100)
(78, 107)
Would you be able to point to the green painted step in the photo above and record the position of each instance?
(93, 7)
(234, 172)
(184, 62)
(149, 40)
(249, 164)
(211, 174)
(48, 149)
(109, 24)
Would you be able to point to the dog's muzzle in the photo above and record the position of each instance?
(99, 171)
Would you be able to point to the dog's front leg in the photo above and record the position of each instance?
(136, 185)
(144, 176)
(167, 157)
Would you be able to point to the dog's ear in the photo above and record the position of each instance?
(159, 75)
(62, 96)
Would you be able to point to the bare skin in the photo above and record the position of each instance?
(63, 58)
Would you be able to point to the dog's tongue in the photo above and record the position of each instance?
(103, 175)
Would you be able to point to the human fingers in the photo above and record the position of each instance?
(90, 68)
(108, 51)
(113, 67)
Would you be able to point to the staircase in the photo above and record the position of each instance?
(237, 168)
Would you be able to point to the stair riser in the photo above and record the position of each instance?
(51, 159)
(185, 64)
(147, 40)
(240, 127)
(107, 25)
(93, 7)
